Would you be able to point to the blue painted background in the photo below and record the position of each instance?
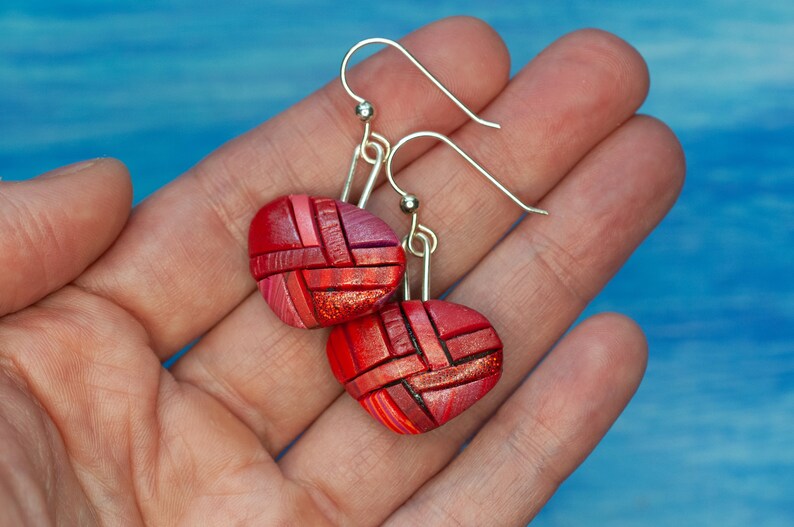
(709, 439)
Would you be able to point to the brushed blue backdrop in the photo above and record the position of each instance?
(708, 439)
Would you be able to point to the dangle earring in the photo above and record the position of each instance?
(416, 364)
(320, 261)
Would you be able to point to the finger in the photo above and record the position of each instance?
(274, 375)
(541, 434)
(57, 225)
(182, 264)
(532, 287)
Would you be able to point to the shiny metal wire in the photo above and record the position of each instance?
(426, 252)
(416, 229)
(366, 143)
(380, 154)
(415, 62)
(370, 139)
(464, 155)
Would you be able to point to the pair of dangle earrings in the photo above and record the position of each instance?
(321, 262)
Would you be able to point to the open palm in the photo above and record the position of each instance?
(95, 431)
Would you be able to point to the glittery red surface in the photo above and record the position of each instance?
(415, 365)
(337, 306)
(320, 262)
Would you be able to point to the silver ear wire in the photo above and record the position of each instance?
(465, 156)
(374, 141)
(410, 203)
(365, 110)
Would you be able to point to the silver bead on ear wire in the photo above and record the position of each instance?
(409, 204)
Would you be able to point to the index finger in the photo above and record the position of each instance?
(181, 264)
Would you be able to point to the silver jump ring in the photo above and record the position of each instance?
(366, 144)
(418, 229)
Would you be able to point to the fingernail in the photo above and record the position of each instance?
(69, 169)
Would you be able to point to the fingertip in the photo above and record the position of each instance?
(668, 149)
(57, 225)
(612, 346)
(483, 46)
(621, 58)
(610, 61)
(106, 177)
(92, 199)
(117, 175)
(111, 178)
(654, 146)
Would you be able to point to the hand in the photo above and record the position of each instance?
(94, 430)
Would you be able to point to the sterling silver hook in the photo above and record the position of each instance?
(366, 111)
(410, 204)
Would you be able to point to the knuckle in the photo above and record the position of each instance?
(561, 266)
(532, 445)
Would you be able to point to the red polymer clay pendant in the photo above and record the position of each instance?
(415, 365)
(321, 262)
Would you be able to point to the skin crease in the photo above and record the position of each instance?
(95, 431)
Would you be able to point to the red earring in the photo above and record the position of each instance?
(416, 364)
(320, 261)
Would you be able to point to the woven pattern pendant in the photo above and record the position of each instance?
(414, 365)
(320, 262)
